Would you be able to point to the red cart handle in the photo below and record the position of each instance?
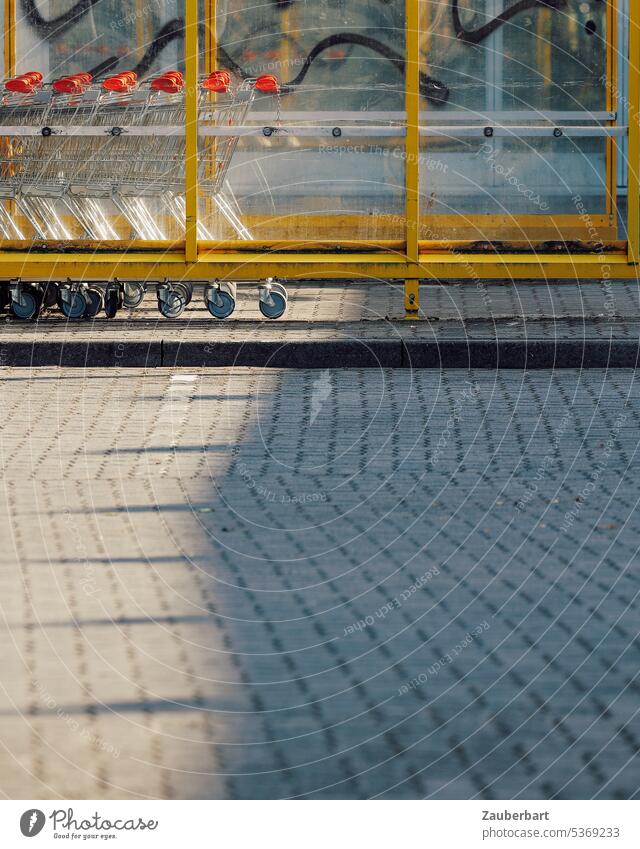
(19, 85)
(25, 83)
(121, 82)
(268, 84)
(170, 82)
(218, 81)
(73, 84)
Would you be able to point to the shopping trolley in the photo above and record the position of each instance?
(106, 161)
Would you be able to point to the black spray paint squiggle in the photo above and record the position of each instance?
(431, 89)
(55, 26)
(477, 35)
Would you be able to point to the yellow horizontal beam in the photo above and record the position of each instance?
(298, 245)
(500, 260)
(444, 266)
(396, 246)
(309, 225)
(211, 251)
(24, 260)
(85, 246)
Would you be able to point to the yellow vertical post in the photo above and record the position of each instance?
(211, 36)
(9, 68)
(191, 129)
(633, 197)
(412, 149)
(544, 59)
(141, 30)
(285, 51)
(611, 97)
(210, 64)
(9, 38)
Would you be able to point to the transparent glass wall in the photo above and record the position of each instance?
(62, 37)
(125, 180)
(543, 65)
(336, 63)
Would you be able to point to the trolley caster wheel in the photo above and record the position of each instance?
(28, 303)
(113, 300)
(95, 301)
(73, 303)
(133, 294)
(172, 304)
(50, 295)
(273, 300)
(220, 300)
(185, 290)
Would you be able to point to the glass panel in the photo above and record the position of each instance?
(556, 59)
(100, 162)
(490, 189)
(492, 54)
(459, 67)
(145, 35)
(338, 64)
(506, 65)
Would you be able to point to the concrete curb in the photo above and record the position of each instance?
(353, 353)
(337, 353)
(525, 354)
(87, 354)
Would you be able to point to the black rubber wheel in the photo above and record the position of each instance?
(133, 294)
(50, 295)
(5, 297)
(220, 300)
(173, 305)
(75, 305)
(95, 301)
(30, 308)
(185, 290)
(111, 303)
(276, 303)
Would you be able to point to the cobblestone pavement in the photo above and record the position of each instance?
(244, 583)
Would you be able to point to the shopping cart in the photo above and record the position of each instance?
(106, 161)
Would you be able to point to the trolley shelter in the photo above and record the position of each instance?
(183, 144)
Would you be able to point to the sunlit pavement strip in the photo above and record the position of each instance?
(244, 583)
(478, 324)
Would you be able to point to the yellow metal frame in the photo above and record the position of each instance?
(410, 260)
(191, 129)
(633, 155)
(9, 19)
(412, 153)
(611, 72)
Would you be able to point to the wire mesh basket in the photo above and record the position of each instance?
(82, 159)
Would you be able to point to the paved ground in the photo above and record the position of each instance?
(473, 323)
(244, 583)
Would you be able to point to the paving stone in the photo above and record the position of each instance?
(241, 583)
